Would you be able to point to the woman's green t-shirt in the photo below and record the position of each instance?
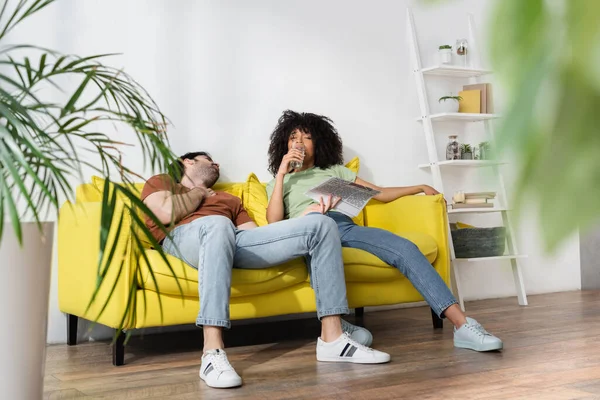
(298, 183)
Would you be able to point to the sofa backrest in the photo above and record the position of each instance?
(252, 192)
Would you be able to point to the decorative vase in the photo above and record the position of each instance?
(467, 156)
(24, 296)
(462, 47)
(445, 56)
(448, 106)
(453, 148)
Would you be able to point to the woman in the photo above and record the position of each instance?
(322, 159)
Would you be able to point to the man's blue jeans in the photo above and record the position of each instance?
(400, 253)
(214, 246)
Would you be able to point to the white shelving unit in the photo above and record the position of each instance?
(462, 163)
(460, 117)
(436, 165)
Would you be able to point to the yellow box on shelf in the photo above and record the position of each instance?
(471, 101)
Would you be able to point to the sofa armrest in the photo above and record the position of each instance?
(78, 252)
(425, 214)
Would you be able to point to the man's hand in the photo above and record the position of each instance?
(205, 192)
(428, 190)
(323, 206)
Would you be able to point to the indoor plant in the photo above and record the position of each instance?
(45, 145)
(466, 151)
(449, 104)
(445, 54)
(529, 41)
(484, 150)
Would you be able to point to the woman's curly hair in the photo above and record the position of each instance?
(327, 142)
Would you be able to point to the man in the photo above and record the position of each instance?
(213, 233)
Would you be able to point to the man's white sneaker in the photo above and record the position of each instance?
(358, 333)
(472, 336)
(345, 349)
(217, 372)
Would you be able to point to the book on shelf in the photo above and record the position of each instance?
(476, 200)
(480, 195)
(471, 102)
(485, 103)
(467, 205)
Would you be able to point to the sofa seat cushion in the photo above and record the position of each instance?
(357, 262)
(245, 282)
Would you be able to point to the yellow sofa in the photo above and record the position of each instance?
(280, 290)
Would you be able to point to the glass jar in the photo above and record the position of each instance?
(453, 148)
(462, 47)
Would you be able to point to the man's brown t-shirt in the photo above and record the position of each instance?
(221, 203)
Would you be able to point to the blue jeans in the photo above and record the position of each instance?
(400, 253)
(213, 245)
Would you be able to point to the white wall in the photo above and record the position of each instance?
(223, 71)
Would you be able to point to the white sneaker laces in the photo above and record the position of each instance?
(221, 362)
(479, 329)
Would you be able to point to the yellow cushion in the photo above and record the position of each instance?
(255, 200)
(244, 282)
(361, 266)
(99, 182)
(354, 165)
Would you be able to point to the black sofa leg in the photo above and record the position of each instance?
(72, 329)
(359, 314)
(438, 323)
(119, 349)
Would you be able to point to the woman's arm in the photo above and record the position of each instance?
(276, 208)
(392, 193)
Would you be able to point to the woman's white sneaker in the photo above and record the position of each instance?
(473, 336)
(358, 333)
(346, 349)
(217, 372)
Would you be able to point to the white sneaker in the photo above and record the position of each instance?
(217, 372)
(358, 333)
(346, 349)
(473, 336)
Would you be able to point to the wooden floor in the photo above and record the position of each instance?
(552, 351)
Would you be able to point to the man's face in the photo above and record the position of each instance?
(202, 168)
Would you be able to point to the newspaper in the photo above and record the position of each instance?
(353, 196)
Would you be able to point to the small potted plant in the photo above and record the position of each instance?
(466, 151)
(484, 150)
(445, 53)
(449, 104)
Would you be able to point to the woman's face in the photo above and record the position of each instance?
(306, 139)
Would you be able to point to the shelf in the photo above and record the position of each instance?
(461, 117)
(509, 257)
(476, 210)
(464, 163)
(455, 71)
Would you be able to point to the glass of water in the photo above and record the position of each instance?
(297, 164)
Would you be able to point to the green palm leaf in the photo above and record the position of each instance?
(44, 145)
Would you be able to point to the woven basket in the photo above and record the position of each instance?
(479, 242)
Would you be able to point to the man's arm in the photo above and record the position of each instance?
(392, 193)
(172, 208)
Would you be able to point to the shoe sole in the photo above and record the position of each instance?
(221, 385)
(489, 347)
(350, 360)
